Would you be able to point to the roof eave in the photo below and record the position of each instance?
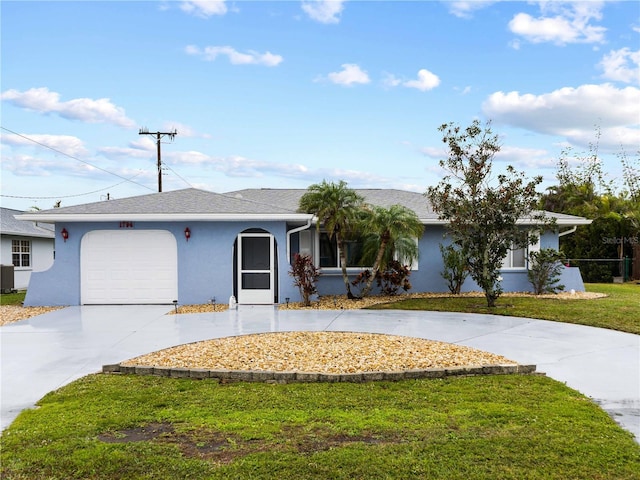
(27, 234)
(160, 217)
(559, 221)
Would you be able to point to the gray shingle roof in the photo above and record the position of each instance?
(9, 225)
(189, 201)
(290, 198)
(261, 203)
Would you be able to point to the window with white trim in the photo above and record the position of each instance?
(518, 257)
(329, 253)
(21, 253)
(413, 265)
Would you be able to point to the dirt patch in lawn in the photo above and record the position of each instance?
(224, 447)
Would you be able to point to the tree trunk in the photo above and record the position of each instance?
(343, 266)
(376, 267)
(491, 297)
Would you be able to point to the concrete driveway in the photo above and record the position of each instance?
(46, 352)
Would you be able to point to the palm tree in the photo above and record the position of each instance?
(393, 230)
(336, 207)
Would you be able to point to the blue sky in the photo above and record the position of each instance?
(288, 93)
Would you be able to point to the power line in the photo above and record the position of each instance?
(67, 196)
(75, 158)
(177, 175)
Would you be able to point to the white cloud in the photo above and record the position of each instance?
(88, 110)
(238, 166)
(236, 58)
(66, 144)
(426, 81)
(573, 113)
(434, 152)
(323, 11)
(517, 156)
(621, 65)
(39, 166)
(466, 9)
(144, 147)
(184, 131)
(561, 23)
(390, 80)
(350, 74)
(526, 158)
(204, 8)
(28, 166)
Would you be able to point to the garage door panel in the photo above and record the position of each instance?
(129, 267)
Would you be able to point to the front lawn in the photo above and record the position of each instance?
(501, 427)
(12, 298)
(620, 310)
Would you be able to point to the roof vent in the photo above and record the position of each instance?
(238, 195)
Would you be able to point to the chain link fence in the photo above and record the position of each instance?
(605, 270)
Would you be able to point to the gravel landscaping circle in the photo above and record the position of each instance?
(319, 352)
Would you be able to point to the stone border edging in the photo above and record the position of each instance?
(227, 376)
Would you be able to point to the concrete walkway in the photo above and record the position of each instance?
(46, 352)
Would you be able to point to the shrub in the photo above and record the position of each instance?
(456, 267)
(544, 271)
(394, 277)
(305, 276)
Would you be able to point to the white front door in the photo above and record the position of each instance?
(255, 268)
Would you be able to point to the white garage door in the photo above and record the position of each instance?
(129, 267)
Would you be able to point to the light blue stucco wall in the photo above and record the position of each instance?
(427, 277)
(205, 264)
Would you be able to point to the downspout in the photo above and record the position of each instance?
(291, 232)
(567, 232)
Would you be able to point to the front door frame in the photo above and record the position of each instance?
(256, 296)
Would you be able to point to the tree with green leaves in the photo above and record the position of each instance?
(545, 269)
(390, 233)
(456, 268)
(483, 212)
(583, 188)
(337, 208)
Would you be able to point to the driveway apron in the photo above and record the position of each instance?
(43, 353)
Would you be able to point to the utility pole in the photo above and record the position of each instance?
(159, 135)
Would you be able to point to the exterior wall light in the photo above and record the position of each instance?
(64, 234)
(187, 233)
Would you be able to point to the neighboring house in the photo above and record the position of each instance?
(193, 246)
(28, 246)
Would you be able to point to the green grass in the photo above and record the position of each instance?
(501, 427)
(620, 310)
(12, 298)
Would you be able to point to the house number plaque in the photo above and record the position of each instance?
(126, 224)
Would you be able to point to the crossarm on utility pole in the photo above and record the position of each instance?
(159, 135)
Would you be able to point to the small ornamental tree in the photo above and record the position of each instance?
(337, 208)
(305, 276)
(456, 269)
(390, 232)
(545, 267)
(483, 211)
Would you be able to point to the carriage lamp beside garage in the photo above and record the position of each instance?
(65, 234)
(187, 233)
